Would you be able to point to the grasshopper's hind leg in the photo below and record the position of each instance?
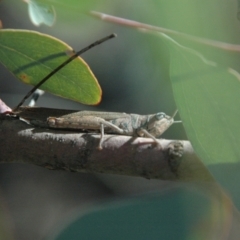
(110, 125)
(102, 136)
(143, 132)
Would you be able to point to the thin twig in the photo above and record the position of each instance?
(62, 65)
(139, 25)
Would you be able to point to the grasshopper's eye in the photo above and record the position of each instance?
(160, 115)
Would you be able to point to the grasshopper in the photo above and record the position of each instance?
(150, 126)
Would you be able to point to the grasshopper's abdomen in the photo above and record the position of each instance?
(85, 122)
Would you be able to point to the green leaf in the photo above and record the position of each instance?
(30, 56)
(41, 13)
(65, 12)
(208, 99)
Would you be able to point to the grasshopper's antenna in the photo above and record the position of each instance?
(62, 65)
(174, 114)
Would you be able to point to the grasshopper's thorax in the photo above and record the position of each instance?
(158, 123)
(139, 122)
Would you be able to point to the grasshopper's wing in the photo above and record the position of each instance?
(104, 115)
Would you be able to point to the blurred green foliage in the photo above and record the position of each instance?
(179, 214)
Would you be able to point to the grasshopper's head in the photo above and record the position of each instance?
(159, 123)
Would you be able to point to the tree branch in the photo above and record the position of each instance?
(74, 151)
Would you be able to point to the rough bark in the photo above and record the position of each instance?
(74, 151)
